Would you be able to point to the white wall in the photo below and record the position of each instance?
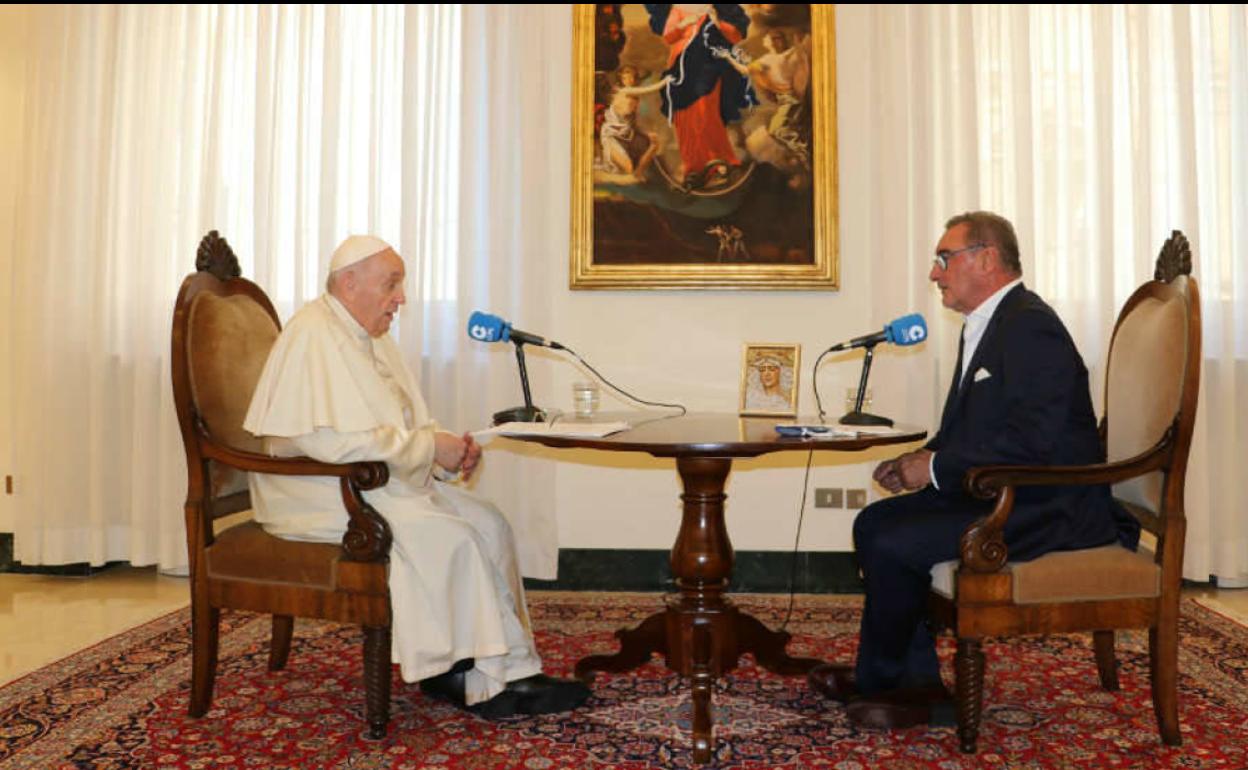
(686, 347)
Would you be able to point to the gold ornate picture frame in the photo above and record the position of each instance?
(749, 199)
(769, 379)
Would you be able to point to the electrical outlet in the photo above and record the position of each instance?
(829, 498)
(855, 498)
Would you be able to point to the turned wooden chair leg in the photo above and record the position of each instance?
(279, 649)
(205, 622)
(377, 679)
(968, 665)
(1106, 663)
(1163, 653)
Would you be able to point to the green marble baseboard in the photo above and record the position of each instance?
(10, 564)
(594, 569)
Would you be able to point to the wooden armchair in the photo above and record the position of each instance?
(1151, 386)
(223, 329)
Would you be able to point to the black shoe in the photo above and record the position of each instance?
(448, 687)
(833, 681)
(537, 694)
(544, 694)
(883, 713)
(904, 707)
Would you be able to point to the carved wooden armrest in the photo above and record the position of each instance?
(982, 546)
(368, 534)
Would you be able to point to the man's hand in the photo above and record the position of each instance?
(908, 472)
(915, 469)
(450, 451)
(886, 475)
(472, 456)
(459, 454)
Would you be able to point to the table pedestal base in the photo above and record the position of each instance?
(701, 633)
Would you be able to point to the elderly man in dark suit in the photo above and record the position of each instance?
(1019, 395)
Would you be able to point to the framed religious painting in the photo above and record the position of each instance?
(769, 379)
(704, 147)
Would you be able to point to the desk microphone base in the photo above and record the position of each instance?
(862, 418)
(521, 414)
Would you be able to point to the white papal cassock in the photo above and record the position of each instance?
(334, 393)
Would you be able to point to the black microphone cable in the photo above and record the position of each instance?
(814, 383)
(801, 511)
(620, 390)
(797, 538)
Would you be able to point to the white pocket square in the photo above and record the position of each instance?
(981, 374)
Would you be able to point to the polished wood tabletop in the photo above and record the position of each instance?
(701, 633)
(717, 435)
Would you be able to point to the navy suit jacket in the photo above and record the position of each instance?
(1025, 401)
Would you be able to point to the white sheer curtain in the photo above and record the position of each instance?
(1098, 130)
(285, 128)
(512, 211)
(475, 217)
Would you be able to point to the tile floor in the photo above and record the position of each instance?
(43, 618)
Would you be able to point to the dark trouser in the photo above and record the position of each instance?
(898, 541)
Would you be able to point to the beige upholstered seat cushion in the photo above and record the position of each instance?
(247, 552)
(1091, 574)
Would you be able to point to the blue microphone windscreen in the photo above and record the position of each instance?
(484, 327)
(907, 330)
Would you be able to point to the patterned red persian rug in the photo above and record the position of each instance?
(122, 704)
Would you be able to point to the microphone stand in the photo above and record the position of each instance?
(528, 412)
(858, 417)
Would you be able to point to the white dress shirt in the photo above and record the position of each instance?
(973, 329)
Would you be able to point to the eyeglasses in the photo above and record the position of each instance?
(942, 257)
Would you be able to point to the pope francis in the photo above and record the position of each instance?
(335, 388)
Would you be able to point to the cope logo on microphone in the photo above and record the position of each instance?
(914, 334)
(479, 332)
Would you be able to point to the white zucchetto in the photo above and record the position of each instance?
(355, 248)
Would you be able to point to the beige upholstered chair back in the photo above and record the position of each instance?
(1155, 345)
(228, 342)
(223, 329)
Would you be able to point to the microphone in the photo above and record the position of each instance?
(907, 330)
(484, 327)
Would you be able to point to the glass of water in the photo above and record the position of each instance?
(585, 398)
